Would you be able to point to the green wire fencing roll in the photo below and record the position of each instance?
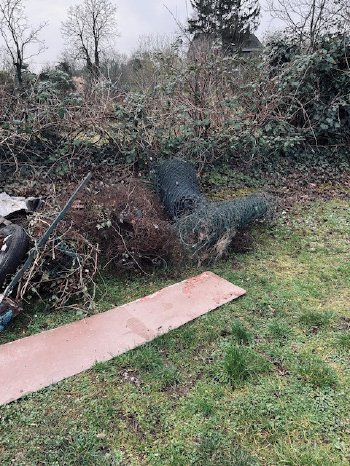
(176, 183)
(204, 226)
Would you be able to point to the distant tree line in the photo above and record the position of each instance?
(91, 28)
(87, 30)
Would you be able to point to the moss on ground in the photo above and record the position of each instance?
(263, 380)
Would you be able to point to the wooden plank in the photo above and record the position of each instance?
(35, 362)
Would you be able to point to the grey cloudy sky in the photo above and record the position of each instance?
(136, 18)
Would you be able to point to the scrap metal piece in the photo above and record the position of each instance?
(10, 205)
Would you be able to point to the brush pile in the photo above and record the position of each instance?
(110, 227)
(63, 271)
(115, 228)
(122, 226)
(129, 226)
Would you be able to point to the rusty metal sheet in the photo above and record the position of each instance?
(35, 362)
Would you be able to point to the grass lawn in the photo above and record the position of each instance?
(263, 380)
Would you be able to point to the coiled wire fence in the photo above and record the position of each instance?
(176, 183)
(204, 227)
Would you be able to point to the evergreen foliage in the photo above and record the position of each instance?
(230, 20)
(315, 87)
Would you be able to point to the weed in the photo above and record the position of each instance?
(215, 449)
(313, 319)
(279, 330)
(167, 376)
(316, 372)
(240, 334)
(343, 341)
(145, 358)
(240, 363)
(205, 407)
(118, 457)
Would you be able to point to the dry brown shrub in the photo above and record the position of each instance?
(129, 226)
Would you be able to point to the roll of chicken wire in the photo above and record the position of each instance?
(203, 225)
(215, 224)
(176, 182)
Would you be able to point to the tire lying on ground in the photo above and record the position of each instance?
(14, 244)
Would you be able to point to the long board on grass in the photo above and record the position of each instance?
(35, 362)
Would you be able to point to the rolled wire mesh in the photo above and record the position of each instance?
(203, 225)
(177, 186)
(214, 224)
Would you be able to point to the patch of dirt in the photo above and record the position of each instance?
(134, 426)
(280, 369)
(242, 242)
(179, 389)
(343, 323)
(130, 376)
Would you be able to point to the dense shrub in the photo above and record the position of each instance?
(53, 84)
(316, 87)
(206, 106)
(279, 51)
(213, 107)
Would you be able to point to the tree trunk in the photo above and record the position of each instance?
(97, 61)
(19, 65)
(18, 74)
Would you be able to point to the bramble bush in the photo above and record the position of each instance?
(212, 108)
(215, 108)
(316, 87)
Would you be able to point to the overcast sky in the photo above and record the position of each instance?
(135, 18)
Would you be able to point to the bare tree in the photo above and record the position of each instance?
(307, 20)
(88, 29)
(344, 14)
(18, 35)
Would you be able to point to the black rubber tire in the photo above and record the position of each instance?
(17, 245)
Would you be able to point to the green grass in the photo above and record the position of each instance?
(240, 334)
(315, 371)
(316, 320)
(343, 341)
(240, 364)
(262, 380)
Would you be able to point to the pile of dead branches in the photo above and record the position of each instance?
(129, 226)
(114, 227)
(63, 272)
(121, 226)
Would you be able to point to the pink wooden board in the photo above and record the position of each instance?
(35, 362)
